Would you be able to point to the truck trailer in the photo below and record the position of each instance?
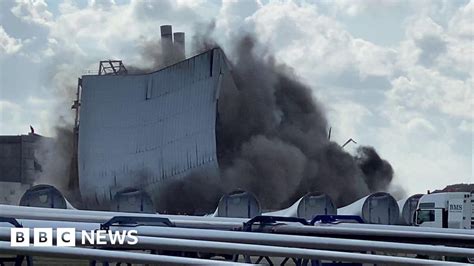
(446, 210)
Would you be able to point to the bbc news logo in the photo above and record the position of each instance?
(67, 237)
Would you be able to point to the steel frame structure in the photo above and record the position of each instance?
(111, 67)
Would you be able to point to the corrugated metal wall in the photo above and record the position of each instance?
(17, 158)
(139, 130)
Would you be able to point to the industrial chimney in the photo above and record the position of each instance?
(167, 44)
(179, 45)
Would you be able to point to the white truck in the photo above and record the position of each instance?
(446, 210)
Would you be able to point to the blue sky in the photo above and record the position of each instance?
(396, 75)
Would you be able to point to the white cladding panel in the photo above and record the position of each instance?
(139, 130)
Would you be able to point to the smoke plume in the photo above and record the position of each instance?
(377, 172)
(151, 53)
(195, 194)
(51, 155)
(58, 163)
(272, 138)
(272, 141)
(57, 155)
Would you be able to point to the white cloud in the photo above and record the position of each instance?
(9, 115)
(419, 27)
(354, 8)
(8, 44)
(316, 44)
(303, 37)
(15, 118)
(101, 4)
(421, 158)
(467, 126)
(436, 67)
(346, 119)
(67, 6)
(233, 15)
(372, 59)
(427, 90)
(463, 21)
(446, 48)
(33, 11)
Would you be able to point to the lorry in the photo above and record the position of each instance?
(446, 210)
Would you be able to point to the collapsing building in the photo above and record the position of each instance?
(141, 131)
(198, 129)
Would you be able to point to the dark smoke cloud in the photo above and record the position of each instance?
(268, 167)
(378, 173)
(271, 140)
(197, 193)
(56, 154)
(53, 155)
(58, 164)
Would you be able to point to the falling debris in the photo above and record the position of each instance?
(349, 141)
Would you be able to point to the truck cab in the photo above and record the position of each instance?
(445, 210)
